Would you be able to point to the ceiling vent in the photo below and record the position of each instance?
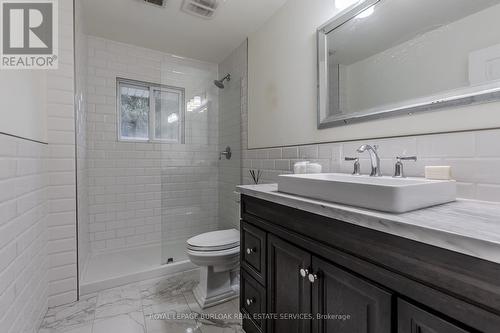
(160, 3)
(201, 8)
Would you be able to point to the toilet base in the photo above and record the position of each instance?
(214, 288)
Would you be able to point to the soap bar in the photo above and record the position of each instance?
(438, 172)
(306, 167)
(300, 167)
(313, 168)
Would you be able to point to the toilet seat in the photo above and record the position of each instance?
(212, 248)
(215, 241)
(215, 253)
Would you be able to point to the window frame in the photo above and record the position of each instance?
(152, 87)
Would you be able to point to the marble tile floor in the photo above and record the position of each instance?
(165, 305)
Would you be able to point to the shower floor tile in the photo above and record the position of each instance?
(108, 265)
(112, 269)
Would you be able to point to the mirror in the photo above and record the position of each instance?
(385, 58)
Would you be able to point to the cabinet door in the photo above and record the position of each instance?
(412, 319)
(345, 303)
(288, 292)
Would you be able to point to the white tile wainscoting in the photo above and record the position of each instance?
(24, 206)
(37, 203)
(474, 157)
(61, 220)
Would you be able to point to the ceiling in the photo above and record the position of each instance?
(172, 31)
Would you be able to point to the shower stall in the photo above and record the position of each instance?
(150, 177)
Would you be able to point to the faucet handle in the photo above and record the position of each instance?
(406, 158)
(357, 167)
(398, 168)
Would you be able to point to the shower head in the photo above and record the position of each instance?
(220, 83)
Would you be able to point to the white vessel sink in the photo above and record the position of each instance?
(388, 194)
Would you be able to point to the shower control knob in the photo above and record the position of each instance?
(226, 152)
(251, 250)
(304, 272)
(312, 277)
(250, 301)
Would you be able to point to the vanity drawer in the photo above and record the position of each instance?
(253, 251)
(252, 303)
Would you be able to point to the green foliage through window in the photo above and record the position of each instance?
(150, 112)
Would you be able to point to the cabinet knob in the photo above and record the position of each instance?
(251, 250)
(250, 301)
(313, 277)
(304, 272)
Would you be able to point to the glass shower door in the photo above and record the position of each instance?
(230, 136)
(189, 158)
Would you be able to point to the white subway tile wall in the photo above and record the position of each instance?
(474, 157)
(81, 51)
(232, 99)
(23, 234)
(37, 204)
(61, 220)
(134, 187)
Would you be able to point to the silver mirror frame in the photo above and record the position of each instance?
(327, 121)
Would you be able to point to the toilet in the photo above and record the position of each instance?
(217, 254)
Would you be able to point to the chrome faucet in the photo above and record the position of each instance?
(375, 159)
(357, 166)
(398, 168)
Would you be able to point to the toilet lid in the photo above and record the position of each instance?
(215, 240)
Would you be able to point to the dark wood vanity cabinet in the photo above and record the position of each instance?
(412, 319)
(288, 292)
(333, 300)
(303, 273)
(358, 305)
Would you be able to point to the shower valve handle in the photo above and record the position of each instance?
(227, 152)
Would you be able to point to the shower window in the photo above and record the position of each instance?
(150, 112)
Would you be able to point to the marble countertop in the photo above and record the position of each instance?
(465, 226)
